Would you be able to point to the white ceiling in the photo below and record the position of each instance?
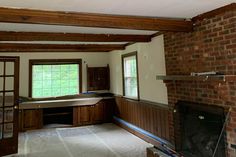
(67, 29)
(157, 8)
(154, 8)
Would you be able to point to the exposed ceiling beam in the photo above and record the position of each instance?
(93, 20)
(42, 36)
(156, 34)
(15, 47)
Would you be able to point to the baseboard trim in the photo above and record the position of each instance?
(143, 134)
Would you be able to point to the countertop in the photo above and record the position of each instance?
(51, 103)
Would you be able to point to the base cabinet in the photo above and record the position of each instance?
(82, 115)
(30, 119)
(100, 112)
(108, 109)
(93, 114)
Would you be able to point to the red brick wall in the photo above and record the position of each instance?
(210, 47)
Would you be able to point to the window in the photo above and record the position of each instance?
(130, 75)
(51, 78)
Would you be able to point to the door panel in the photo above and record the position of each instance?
(1, 84)
(85, 115)
(9, 94)
(9, 83)
(98, 112)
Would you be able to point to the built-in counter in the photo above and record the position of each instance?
(60, 103)
(63, 101)
(34, 114)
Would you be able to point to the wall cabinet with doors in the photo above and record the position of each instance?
(98, 78)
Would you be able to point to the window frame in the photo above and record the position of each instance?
(135, 53)
(53, 62)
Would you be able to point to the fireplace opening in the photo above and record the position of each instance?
(198, 128)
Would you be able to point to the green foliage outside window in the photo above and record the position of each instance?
(55, 80)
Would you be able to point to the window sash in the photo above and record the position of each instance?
(131, 87)
(130, 78)
(55, 80)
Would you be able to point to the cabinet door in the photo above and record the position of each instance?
(102, 78)
(90, 79)
(98, 112)
(31, 119)
(84, 115)
(98, 78)
(109, 108)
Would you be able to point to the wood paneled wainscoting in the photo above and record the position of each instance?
(148, 116)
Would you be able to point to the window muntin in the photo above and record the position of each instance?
(55, 79)
(130, 75)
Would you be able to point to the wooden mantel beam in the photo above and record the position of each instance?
(16, 47)
(93, 20)
(43, 36)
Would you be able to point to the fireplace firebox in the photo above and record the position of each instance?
(198, 128)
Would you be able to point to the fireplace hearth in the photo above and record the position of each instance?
(198, 127)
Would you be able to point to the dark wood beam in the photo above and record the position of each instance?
(16, 47)
(157, 34)
(151, 36)
(93, 20)
(43, 36)
(215, 12)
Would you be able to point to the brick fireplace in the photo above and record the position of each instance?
(199, 129)
(211, 93)
(210, 47)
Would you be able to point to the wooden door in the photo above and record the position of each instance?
(9, 94)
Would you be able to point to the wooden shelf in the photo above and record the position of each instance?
(224, 78)
(57, 114)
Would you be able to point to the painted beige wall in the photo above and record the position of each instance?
(92, 59)
(151, 62)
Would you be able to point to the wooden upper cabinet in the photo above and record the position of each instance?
(98, 78)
